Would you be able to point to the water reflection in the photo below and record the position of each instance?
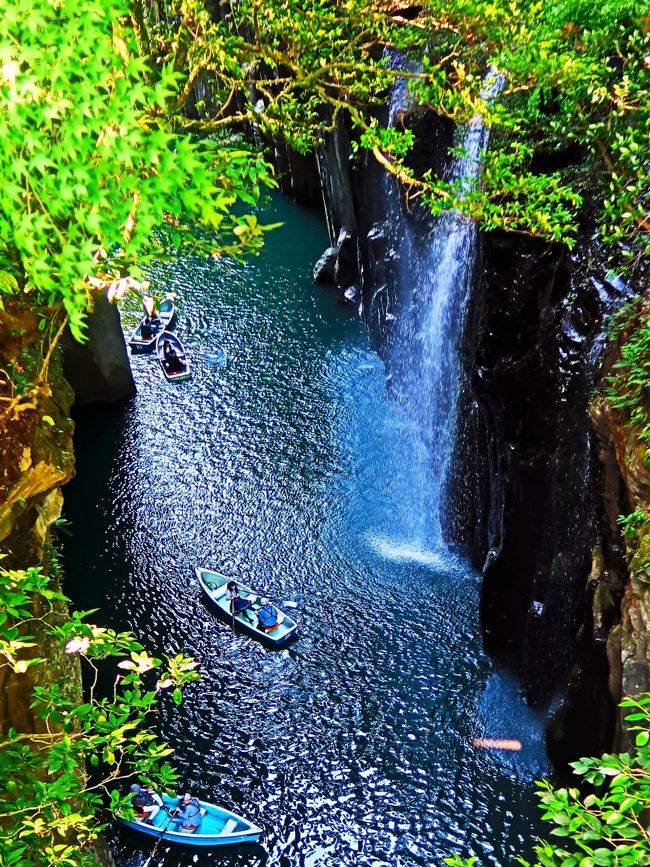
(285, 467)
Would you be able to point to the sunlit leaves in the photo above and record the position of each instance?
(90, 161)
(94, 151)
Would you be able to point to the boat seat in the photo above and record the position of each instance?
(281, 616)
(229, 827)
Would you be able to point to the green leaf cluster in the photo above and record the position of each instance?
(91, 165)
(53, 781)
(121, 130)
(628, 385)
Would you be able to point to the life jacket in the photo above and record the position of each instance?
(267, 615)
(191, 813)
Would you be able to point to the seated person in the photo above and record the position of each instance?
(188, 815)
(146, 329)
(171, 360)
(146, 802)
(237, 604)
(267, 616)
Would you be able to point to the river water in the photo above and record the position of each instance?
(287, 466)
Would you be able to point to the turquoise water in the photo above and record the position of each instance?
(284, 461)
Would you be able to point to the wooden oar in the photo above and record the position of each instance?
(160, 839)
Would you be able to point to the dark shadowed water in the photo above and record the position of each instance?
(286, 466)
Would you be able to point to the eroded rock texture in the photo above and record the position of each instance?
(534, 344)
(99, 370)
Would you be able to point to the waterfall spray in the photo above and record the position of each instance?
(434, 284)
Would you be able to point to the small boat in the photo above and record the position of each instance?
(220, 827)
(172, 357)
(214, 584)
(165, 315)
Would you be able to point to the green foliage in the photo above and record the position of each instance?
(609, 826)
(48, 801)
(636, 530)
(99, 157)
(628, 387)
(90, 163)
(577, 92)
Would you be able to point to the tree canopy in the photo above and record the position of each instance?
(108, 158)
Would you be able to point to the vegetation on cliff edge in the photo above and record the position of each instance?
(108, 158)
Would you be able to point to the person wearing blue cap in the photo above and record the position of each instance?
(146, 802)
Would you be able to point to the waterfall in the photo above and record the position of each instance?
(436, 261)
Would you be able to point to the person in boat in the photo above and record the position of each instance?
(237, 604)
(171, 360)
(188, 815)
(151, 309)
(267, 616)
(146, 328)
(146, 802)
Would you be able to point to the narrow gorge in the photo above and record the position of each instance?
(406, 250)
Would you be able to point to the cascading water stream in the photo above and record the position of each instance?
(434, 277)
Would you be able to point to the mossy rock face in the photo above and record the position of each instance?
(36, 460)
(640, 561)
(604, 604)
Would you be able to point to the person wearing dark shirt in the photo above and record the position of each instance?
(172, 362)
(146, 802)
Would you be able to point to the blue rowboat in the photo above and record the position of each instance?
(176, 366)
(214, 585)
(220, 827)
(166, 313)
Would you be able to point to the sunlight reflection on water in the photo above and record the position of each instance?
(284, 467)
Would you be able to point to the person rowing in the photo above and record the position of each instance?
(146, 329)
(238, 605)
(187, 815)
(172, 362)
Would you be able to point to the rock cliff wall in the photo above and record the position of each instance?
(36, 461)
(552, 571)
(99, 370)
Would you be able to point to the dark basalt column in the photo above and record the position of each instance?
(533, 345)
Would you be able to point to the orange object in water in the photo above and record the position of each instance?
(497, 743)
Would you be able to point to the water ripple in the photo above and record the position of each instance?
(286, 466)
